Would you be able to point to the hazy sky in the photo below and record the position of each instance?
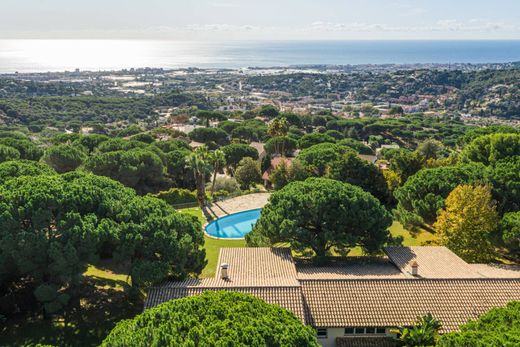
(261, 19)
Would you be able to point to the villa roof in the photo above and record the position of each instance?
(287, 297)
(360, 291)
(361, 303)
(433, 262)
(354, 268)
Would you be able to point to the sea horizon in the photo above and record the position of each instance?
(55, 55)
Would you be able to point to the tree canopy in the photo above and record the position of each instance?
(500, 327)
(467, 222)
(213, 319)
(424, 193)
(489, 149)
(235, 152)
(322, 214)
(51, 227)
(17, 168)
(312, 139)
(248, 173)
(138, 168)
(64, 158)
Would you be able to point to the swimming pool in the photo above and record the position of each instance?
(233, 226)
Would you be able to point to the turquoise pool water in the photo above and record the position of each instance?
(233, 226)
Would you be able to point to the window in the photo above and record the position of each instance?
(365, 331)
(321, 333)
(349, 331)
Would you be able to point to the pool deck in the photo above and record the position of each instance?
(238, 204)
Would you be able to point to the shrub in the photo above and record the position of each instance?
(227, 184)
(176, 196)
(213, 319)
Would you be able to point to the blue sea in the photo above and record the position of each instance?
(61, 55)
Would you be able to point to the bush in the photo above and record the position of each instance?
(227, 184)
(213, 319)
(176, 196)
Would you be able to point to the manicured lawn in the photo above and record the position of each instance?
(420, 238)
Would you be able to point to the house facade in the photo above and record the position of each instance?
(358, 301)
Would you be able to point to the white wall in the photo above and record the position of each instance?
(332, 333)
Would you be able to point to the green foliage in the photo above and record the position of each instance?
(226, 184)
(51, 227)
(491, 148)
(280, 176)
(322, 215)
(473, 133)
(64, 158)
(510, 232)
(199, 162)
(500, 327)
(318, 158)
(56, 111)
(118, 144)
(235, 152)
(424, 333)
(207, 135)
(172, 145)
(27, 149)
(8, 153)
(180, 175)
(467, 223)
(137, 168)
(405, 163)
(176, 196)
(312, 139)
(424, 193)
(505, 178)
(350, 168)
(248, 173)
(356, 145)
(17, 168)
(268, 111)
(213, 319)
(280, 145)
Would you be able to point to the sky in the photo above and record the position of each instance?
(261, 19)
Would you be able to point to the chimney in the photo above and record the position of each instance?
(224, 271)
(415, 269)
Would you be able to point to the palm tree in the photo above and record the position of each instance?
(278, 127)
(218, 160)
(199, 162)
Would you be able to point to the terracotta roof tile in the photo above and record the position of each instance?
(286, 297)
(257, 267)
(497, 270)
(353, 268)
(434, 262)
(399, 302)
